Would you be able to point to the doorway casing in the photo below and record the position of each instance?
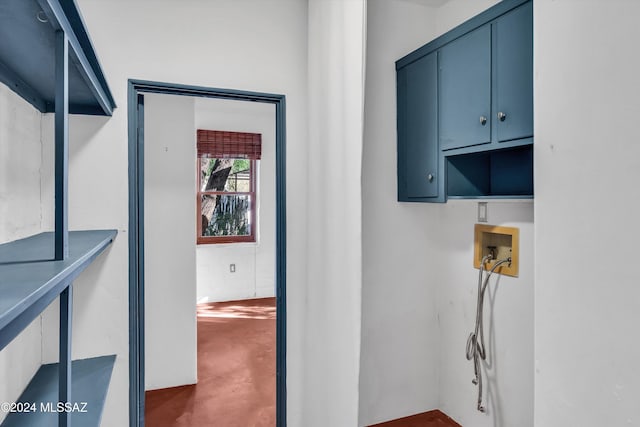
(136, 91)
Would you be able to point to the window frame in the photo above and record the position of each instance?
(252, 193)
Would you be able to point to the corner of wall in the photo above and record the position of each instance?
(20, 138)
(398, 358)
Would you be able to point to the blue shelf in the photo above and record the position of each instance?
(30, 280)
(90, 382)
(28, 57)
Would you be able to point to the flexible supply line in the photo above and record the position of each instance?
(475, 346)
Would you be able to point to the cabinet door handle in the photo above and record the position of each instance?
(483, 120)
(430, 177)
(502, 116)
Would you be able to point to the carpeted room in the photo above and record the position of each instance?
(211, 311)
(236, 370)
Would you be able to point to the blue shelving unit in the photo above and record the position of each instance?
(46, 57)
(90, 383)
(28, 57)
(30, 278)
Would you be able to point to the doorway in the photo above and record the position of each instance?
(136, 92)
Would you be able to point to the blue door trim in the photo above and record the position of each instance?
(136, 91)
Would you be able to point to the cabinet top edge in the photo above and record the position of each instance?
(471, 24)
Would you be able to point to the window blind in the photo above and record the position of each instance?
(224, 144)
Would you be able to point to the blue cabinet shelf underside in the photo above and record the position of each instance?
(90, 381)
(498, 173)
(30, 280)
(27, 58)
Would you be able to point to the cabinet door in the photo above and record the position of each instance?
(513, 79)
(418, 128)
(465, 90)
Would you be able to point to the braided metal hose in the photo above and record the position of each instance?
(475, 347)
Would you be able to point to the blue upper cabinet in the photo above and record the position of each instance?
(486, 83)
(418, 129)
(465, 90)
(465, 110)
(513, 77)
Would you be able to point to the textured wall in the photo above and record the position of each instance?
(587, 166)
(170, 253)
(20, 216)
(508, 318)
(399, 356)
(334, 255)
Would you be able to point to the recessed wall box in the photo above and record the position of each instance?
(501, 243)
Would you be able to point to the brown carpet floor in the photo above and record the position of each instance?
(236, 371)
(426, 419)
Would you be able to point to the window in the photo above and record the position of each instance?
(226, 196)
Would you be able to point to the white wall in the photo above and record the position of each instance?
(418, 280)
(21, 157)
(20, 213)
(587, 166)
(399, 355)
(248, 44)
(170, 252)
(508, 318)
(96, 185)
(455, 12)
(255, 262)
(334, 232)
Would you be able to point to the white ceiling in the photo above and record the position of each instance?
(432, 3)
